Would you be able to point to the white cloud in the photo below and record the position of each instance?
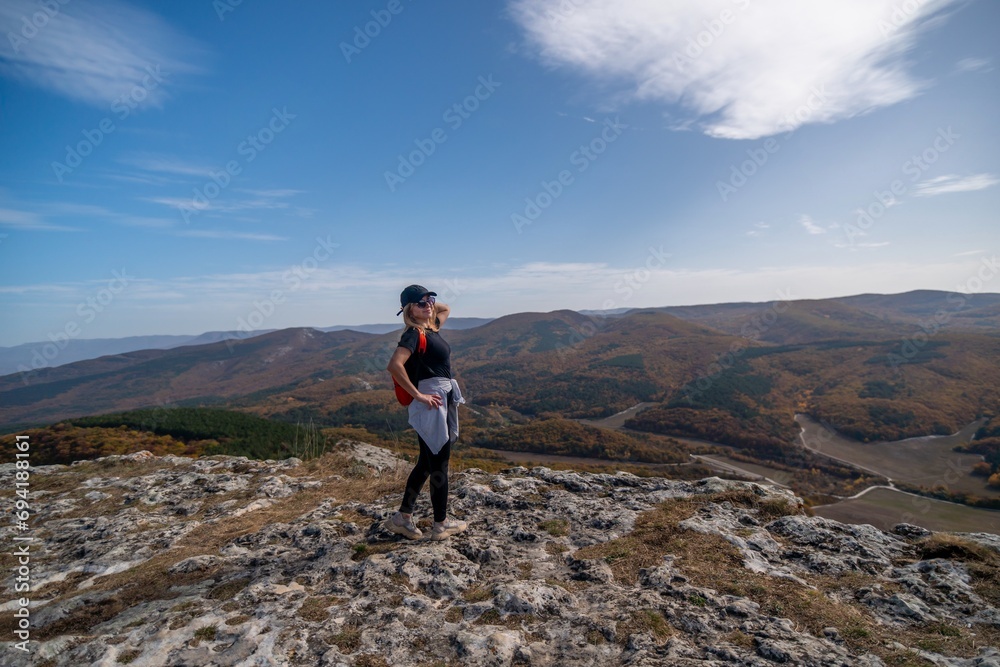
(29, 221)
(338, 292)
(89, 52)
(954, 183)
(244, 236)
(746, 69)
(811, 226)
(166, 164)
(969, 253)
(974, 65)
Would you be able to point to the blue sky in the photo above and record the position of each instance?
(174, 168)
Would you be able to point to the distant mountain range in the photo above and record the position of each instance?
(60, 351)
(870, 364)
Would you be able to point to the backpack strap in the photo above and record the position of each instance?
(422, 345)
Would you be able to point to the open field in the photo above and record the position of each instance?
(884, 508)
(617, 421)
(779, 477)
(928, 462)
(529, 459)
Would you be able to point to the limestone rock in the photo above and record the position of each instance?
(230, 561)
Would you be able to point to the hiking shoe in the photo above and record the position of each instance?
(447, 528)
(402, 526)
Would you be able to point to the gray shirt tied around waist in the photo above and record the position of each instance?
(437, 427)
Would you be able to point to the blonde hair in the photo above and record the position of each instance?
(408, 320)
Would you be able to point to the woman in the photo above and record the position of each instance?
(433, 413)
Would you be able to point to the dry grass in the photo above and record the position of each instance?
(348, 639)
(555, 527)
(645, 621)
(150, 580)
(316, 609)
(370, 660)
(228, 590)
(512, 621)
(983, 563)
(477, 593)
(702, 557)
(126, 657)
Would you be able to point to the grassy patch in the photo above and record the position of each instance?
(348, 640)
(645, 621)
(741, 639)
(703, 557)
(206, 634)
(316, 609)
(370, 660)
(477, 593)
(555, 548)
(513, 621)
(228, 590)
(150, 580)
(555, 527)
(126, 657)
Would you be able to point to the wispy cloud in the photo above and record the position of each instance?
(166, 164)
(746, 69)
(810, 225)
(969, 253)
(216, 234)
(260, 200)
(974, 65)
(89, 52)
(30, 221)
(949, 183)
(758, 229)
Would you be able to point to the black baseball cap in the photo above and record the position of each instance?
(412, 294)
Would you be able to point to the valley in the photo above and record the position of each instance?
(726, 387)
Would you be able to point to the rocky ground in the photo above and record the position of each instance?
(225, 561)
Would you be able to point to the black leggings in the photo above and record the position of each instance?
(434, 466)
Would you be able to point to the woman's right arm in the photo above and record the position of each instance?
(398, 371)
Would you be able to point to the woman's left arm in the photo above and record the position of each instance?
(441, 312)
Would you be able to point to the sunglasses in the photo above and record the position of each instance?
(426, 303)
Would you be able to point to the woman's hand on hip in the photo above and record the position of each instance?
(432, 401)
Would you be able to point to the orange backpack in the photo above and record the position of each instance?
(402, 395)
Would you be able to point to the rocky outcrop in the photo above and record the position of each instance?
(226, 561)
